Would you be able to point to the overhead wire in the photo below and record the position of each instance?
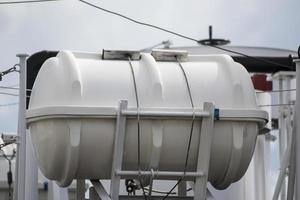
(21, 2)
(8, 88)
(276, 91)
(136, 21)
(10, 94)
(12, 88)
(251, 57)
(159, 28)
(183, 36)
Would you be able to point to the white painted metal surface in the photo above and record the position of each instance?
(57, 193)
(284, 80)
(255, 185)
(75, 98)
(297, 122)
(31, 176)
(19, 185)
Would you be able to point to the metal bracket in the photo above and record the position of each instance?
(169, 55)
(120, 55)
(217, 114)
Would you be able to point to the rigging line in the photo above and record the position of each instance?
(10, 94)
(183, 36)
(138, 126)
(9, 88)
(251, 57)
(282, 104)
(12, 88)
(21, 2)
(8, 104)
(273, 91)
(191, 131)
(138, 22)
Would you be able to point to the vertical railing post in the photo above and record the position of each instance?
(118, 151)
(297, 125)
(206, 134)
(19, 188)
(282, 135)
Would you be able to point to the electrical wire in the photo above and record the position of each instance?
(136, 21)
(12, 88)
(138, 127)
(10, 94)
(184, 36)
(21, 2)
(251, 57)
(190, 134)
(8, 88)
(159, 192)
(164, 192)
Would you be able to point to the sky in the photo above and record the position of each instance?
(72, 25)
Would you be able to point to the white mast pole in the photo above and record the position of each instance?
(21, 150)
(297, 125)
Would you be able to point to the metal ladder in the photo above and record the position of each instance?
(200, 176)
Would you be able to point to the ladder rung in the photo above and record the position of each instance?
(160, 174)
(161, 113)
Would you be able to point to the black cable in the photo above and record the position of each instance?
(183, 36)
(251, 57)
(190, 135)
(138, 22)
(19, 2)
(138, 127)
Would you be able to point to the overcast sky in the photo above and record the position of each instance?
(69, 24)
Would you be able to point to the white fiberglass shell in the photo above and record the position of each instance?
(72, 115)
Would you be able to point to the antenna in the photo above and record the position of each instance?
(213, 41)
